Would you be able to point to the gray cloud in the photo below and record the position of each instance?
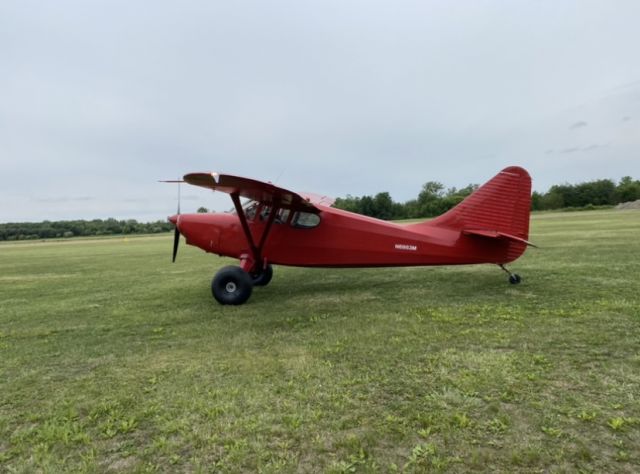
(592, 147)
(579, 124)
(64, 199)
(570, 150)
(595, 146)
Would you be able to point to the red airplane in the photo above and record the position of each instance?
(278, 226)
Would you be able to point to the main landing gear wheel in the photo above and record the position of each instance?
(231, 285)
(262, 277)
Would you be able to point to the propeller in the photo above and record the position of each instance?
(176, 232)
(176, 241)
(174, 220)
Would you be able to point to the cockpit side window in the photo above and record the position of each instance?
(264, 212)
(305, 220)
(250, 210)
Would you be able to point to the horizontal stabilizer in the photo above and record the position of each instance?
(494, 234)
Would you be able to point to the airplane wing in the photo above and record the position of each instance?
(255, 190)
(318, 199)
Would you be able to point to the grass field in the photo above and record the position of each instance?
(113, 359)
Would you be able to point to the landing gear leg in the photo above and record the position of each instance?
(514, 278)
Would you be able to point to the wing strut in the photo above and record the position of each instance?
(245, 227)
(250, 263)
(272, 217)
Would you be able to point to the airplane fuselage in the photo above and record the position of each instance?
(338, 238)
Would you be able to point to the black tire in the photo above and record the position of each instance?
(262, 277)
(231, 285)
(514, 279)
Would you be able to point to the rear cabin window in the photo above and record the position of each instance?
(283, 216)
(305, 220)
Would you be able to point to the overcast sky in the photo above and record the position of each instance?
(100, 99)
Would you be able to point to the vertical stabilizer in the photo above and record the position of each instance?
(498, 209)
(502, 204)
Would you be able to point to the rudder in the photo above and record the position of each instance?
(502, 204)
(499, 208)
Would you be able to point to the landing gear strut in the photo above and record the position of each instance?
(514, 278)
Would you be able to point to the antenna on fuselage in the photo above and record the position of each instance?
(279, 176)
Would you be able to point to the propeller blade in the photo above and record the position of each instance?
(176, 234)
(178, 198)
(176, 241)
(174, 221)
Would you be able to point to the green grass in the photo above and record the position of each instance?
(113, 359)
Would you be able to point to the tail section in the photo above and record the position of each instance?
(499, 209)
(502, 205)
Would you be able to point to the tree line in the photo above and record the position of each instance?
(602, 192)
(434, 199)
(63, 229)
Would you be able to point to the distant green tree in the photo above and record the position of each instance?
(367, 206)
(349, 203)
(411, 209)
(202, 210)
(536, 201)
(430, 201)
(383, 206)
(553, 199)
(597, 193)
(627, 190)
(431, 191)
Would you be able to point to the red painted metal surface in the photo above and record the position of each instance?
(490, 226)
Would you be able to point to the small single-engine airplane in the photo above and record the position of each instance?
(278, 226)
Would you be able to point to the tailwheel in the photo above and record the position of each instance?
(263, 276)
(231, 285)
(514, 278)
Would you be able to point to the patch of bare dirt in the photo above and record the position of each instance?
(629, 205)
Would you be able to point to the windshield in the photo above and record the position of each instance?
(249, 206)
